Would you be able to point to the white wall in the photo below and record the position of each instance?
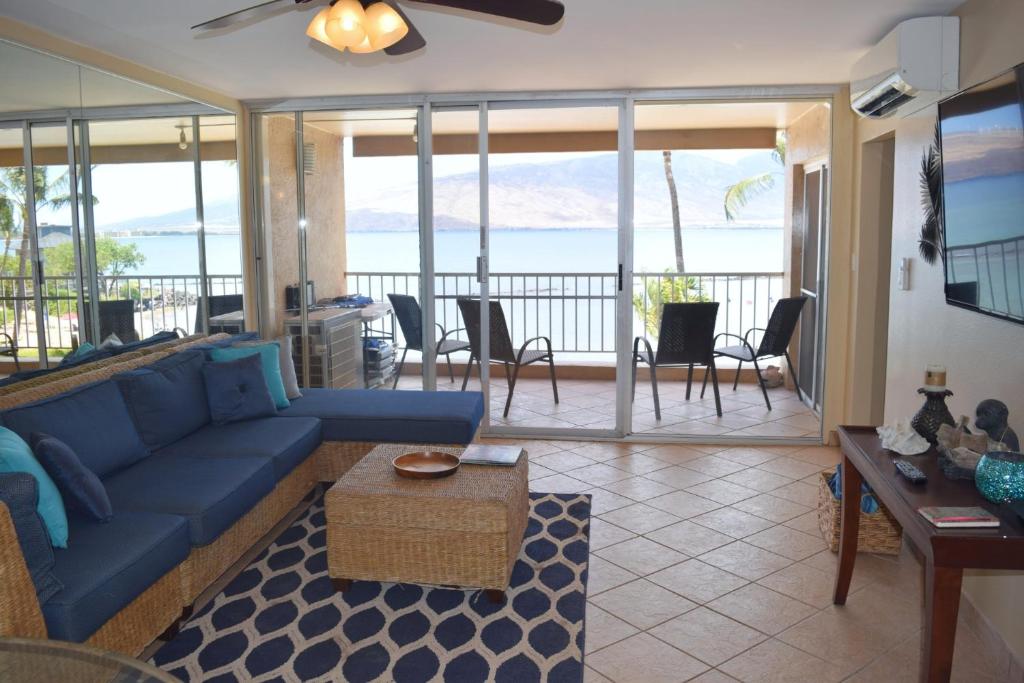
(984, 355)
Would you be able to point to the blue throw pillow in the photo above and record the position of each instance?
(237, 390)
(167, 399)
(16, 456)
(81, 488)
(20, 493)
(84, 349)
(270, 353)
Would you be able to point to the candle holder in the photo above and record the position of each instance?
(933, 414)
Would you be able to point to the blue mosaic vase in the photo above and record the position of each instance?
(1000, 476)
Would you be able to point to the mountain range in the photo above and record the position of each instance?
(581, 192)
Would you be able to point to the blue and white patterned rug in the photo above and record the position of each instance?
(281, 620)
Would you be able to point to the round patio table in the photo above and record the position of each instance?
(27, 660)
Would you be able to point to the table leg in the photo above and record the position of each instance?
(341, 585)
(495, 596)
(850, 520)
(941, 605)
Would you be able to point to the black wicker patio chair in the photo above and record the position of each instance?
(117, 316)
(9, 347)
(685, 338)
(501, 347)
(410, 319)
(774, 343)
(218, 304)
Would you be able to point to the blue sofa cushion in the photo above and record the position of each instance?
(287, 441)
(16, 456)
(106, 566)
(167, 399)
(441, 417)
(80, 488)
(210, 493)
(19, 491)
(236, 390)
(92, 419)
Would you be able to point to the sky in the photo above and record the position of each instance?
(126, 191)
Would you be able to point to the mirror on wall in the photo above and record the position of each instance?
(155, 241)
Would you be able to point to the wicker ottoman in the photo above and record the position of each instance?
(464, 530)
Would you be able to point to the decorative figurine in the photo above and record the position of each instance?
(933, 414)
(993, 418)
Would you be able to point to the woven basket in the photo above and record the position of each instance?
(879, 531)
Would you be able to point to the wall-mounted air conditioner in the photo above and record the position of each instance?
(916, 64)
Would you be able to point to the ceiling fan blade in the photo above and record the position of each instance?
(253, 12)
(412, 41)
(544, 12)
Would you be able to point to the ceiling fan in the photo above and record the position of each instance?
(371, 25)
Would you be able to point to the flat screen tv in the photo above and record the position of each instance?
(981, 134)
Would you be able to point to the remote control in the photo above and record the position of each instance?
(911, 472)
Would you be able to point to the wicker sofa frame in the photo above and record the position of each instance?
(162, 606)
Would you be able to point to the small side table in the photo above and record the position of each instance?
(947, 552)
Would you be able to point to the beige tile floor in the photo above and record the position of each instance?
(590, 404)
(707, 565)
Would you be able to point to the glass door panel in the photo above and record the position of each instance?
(809, 368)
(222, 237)
(553, 184)
(59, 261)
(455, 166)
(146, 231)
(17, 295)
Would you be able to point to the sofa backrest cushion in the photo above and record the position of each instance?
(16, 457)
(19, 491)
(92, 419)
(166, 399)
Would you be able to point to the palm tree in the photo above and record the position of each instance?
(742, 193)
(673, 194)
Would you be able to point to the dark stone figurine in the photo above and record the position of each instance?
(992, 417)
(933, 414)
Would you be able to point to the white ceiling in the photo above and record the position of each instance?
(600, 44)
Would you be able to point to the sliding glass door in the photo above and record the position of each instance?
(553, 266)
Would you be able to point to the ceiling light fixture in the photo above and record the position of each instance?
(346, 25)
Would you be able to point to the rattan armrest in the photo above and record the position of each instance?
(20, 615)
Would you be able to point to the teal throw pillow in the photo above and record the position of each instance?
(16, 456)
(270, 354)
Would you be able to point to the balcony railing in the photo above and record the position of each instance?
(163, 302)
(577, 310)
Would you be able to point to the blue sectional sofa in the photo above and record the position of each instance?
(190, 497)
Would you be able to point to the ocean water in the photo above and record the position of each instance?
(735, 250)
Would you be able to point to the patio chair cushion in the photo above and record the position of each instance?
(441, 417)
(532, 356)
(166, 399)
(210, 493)
(738, 352)
(92, 419)
(106, 566)
(286, 441)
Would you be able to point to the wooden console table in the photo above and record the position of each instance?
(947, 552)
